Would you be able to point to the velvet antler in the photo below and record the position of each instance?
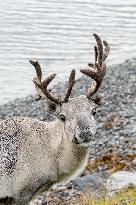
(41, 86)
(98, 70)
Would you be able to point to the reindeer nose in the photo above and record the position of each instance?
(86, 135)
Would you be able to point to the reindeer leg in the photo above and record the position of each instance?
(30, 191)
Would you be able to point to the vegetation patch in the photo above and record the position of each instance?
(124, 197)
(112, 162)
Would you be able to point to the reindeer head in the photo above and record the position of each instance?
(76, 114)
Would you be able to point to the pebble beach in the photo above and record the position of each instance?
(116, 133)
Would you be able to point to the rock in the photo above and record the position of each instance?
(91, 183)
(87, 182)
(134, 161)
(119, 181)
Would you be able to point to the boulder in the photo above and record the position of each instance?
(119, 181)
(93, 184)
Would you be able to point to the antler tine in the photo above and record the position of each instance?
(100, 49)
(37, 69)
(99, 68)
(70, 85)
(37, 79)
(41, 87)
(96, 53)
(106, 50)
(95, 84)
(47, 93)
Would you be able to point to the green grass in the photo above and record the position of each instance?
(125, 197)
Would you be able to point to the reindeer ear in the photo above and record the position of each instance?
(51, 107)
(99, 100)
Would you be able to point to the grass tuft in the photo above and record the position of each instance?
(125, 197)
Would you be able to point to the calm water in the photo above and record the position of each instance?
(58, 34)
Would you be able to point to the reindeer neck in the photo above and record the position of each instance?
(71, 159)
(65, 143)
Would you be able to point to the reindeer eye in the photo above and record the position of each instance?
(62, 118)
(94, 111)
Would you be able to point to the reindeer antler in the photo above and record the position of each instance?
(98, 70)
(41, 87)
(96, 73)
(71, 82)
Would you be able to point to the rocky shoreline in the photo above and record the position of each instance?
(116, 135)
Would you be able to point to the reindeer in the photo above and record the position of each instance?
(34, 154)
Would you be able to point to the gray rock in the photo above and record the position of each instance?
(134, 161)
(91, 183)
(120, 180)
